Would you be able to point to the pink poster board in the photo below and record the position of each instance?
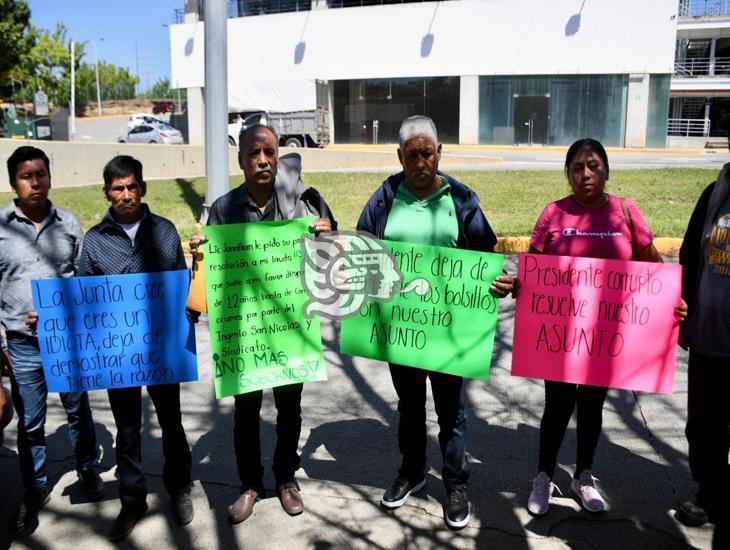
(600, 322)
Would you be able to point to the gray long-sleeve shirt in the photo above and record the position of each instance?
(26, 253)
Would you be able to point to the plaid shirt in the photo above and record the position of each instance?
(109, 251)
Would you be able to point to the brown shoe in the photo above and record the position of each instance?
(290, 498)
(243, 507)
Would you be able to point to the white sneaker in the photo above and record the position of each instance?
(542, 490)
(584, 489)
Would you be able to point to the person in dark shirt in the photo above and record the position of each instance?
(131, 239)
(272, 190)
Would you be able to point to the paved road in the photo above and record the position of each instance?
(349, 455)
(531, 159)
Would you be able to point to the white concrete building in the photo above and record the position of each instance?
(700, 89)
(487, 71)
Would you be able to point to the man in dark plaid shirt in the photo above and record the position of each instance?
(131, 239)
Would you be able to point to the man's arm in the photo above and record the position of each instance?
(78, 234)
(86, 263)
(478, 233)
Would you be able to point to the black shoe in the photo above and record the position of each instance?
(125, 522)
(456, 508)
(182, 507)
(26, 516)
(91, 482)
(692, 513)
(397, 494)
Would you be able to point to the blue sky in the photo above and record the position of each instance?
(115, 26)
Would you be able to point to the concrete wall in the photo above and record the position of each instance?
(82, 163)
(690, 142)
(470, 37)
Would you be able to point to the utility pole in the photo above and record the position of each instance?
(72, 109)
(98, 88)
(136, 61)
(216, 101)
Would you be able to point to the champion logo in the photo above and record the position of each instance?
(573, 232)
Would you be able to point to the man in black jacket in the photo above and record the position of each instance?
(705, 258)
(425, 206)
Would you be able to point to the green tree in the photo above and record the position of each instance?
(114, 82)
(160, 90)
(16, 40)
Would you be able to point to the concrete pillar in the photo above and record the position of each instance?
(713, 45)
(196, 116)
(469, 110)
(330, 104)
(637, 110)
(196, 102)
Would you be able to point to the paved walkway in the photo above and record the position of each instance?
(349, 455)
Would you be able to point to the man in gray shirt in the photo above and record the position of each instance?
(39, 241)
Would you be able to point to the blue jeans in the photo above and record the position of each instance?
(29, 396)
(410, 385)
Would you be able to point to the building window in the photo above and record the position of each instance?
(371, 111)
(552, 110)
(243, 8)
(656, 121)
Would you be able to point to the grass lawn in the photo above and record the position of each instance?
(511, 200)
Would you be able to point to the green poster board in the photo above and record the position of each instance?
(258, 336)
(449, 329)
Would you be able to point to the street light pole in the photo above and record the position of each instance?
(98, 88)
(72, 114)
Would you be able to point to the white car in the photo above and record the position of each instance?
(152, 132)
(142, 118)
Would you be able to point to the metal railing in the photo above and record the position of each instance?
(702, 66)
(360, 3)
(688, 127)
(703, 8)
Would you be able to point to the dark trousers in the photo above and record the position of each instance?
(126, 405)
(410, 385)
(560, 400)
(247, 436)
(708, 426)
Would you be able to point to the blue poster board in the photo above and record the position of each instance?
(115, 331)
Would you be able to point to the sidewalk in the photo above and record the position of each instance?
(350, 454)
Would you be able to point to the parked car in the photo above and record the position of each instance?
(142, 118)
(163, 106)
(152, 132)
